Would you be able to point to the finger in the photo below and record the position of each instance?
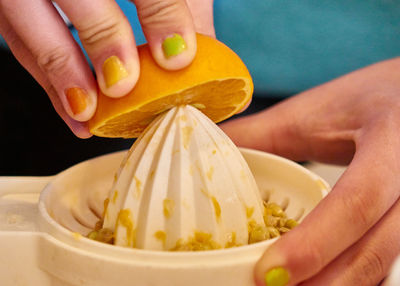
(203, 16)
(24, 56)
(169, 29)
(369, 260)
(359, 199)
(80, 129)
(107, 37)
(297, 128)
(43, 32)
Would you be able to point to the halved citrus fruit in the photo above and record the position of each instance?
(217, 82)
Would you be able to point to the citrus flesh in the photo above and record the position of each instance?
(216, 82)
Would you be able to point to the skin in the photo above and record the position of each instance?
(57, 63)
(350, 238)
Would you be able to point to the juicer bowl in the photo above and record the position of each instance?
(71, 204)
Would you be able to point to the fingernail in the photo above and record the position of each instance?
(113, 71)
(173, 45)
(77, 99)
(277, 276)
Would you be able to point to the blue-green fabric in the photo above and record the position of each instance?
(292, 45)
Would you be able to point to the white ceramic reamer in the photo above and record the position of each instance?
(183, 179)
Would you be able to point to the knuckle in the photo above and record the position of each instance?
(313, 254)
(371, 268)
(100, 31)
(54, 61)
(362, 209)
(160, 12)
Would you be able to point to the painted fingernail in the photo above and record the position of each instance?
(277, 276)
(113, 70)
(77, 99)
(173, 45)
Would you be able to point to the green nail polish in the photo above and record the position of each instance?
(277, 276)
(173, 45)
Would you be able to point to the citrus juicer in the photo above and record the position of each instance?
(43, 238)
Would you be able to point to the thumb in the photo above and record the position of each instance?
(170, 31)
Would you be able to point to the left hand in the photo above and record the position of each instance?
(42, 43)
(352, 237)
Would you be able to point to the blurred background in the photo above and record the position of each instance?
(288, 46)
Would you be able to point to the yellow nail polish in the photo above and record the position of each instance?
(77, 99)
(113, 70)
(173, 45)
(277, 276)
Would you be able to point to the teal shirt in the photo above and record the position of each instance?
(293, 45)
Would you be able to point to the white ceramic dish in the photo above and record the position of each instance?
(39, 248)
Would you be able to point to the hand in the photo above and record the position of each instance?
(41, 42)
(352, 237)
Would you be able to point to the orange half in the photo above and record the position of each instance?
(217, 82)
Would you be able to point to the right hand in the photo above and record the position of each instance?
(351, 237)
(41, 42)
